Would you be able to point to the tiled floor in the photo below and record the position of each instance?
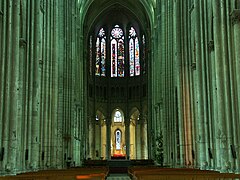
(118, 177)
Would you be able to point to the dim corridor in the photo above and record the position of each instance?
(118, 177)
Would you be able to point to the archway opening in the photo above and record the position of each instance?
(117, 76)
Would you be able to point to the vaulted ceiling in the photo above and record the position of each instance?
(97, 12)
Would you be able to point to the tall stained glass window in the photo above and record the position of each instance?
(144, 54)
(115, 49)
(118, 139)
(90, 55)
(101, 53)
(117, 52)
(134, 60)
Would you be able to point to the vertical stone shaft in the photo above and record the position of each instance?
(236, 30)
(36, 87)
(226, 79)
(55, 82)
(143, 140)
(220, 132)
(14, 89)
(178, 65)
(92, 138)
(127, 137)
(199, 103)
(3, 73)
(203, 89)
(7, 93)
(108, 134)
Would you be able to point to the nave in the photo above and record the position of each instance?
(123, 170)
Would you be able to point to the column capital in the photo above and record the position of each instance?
(108, 121)
(127, 123)
(235, 16)
(91, 119)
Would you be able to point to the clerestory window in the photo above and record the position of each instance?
(118, 53)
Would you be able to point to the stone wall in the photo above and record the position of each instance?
(195, 83)
(41, 77)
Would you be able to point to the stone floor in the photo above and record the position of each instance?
(118, 177)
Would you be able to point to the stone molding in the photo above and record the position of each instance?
(211, 45)
(235, 16)
(22, 42)
(193, 66)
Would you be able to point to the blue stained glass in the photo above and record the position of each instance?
(103, 57)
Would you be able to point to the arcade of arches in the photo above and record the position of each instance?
(105, 79)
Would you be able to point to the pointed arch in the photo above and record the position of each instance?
(100, 63)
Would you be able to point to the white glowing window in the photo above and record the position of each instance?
(118, 140)
(118, 116)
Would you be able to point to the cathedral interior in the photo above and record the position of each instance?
(110, 79)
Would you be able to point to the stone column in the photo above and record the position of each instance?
(7, 76)
(199, 90)
(138, 139)
(127, 137)
(236, 29)
(179, 66)
(91, 138)
(143, 126)
(226, 79)
(35, 139)
(13, 146)
(98, 139)
(220, 123)
(108, 134)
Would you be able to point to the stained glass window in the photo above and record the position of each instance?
(134, 60)
(144, 54)
(117, 47)
(90, 55)
(117, 52)
(131, 57)
(117, 116)
(101, 53)
(118, 140)
(137, 63)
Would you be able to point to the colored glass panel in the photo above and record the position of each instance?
(121, 58)
(137, 62)
(97, 71)
(100, 69)
(117, 32)
(113, 58)
(103, 57)
(101, 32)
(90, 55)
(131, 57)
(117, 116)
(132, 32)
(144, 55)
